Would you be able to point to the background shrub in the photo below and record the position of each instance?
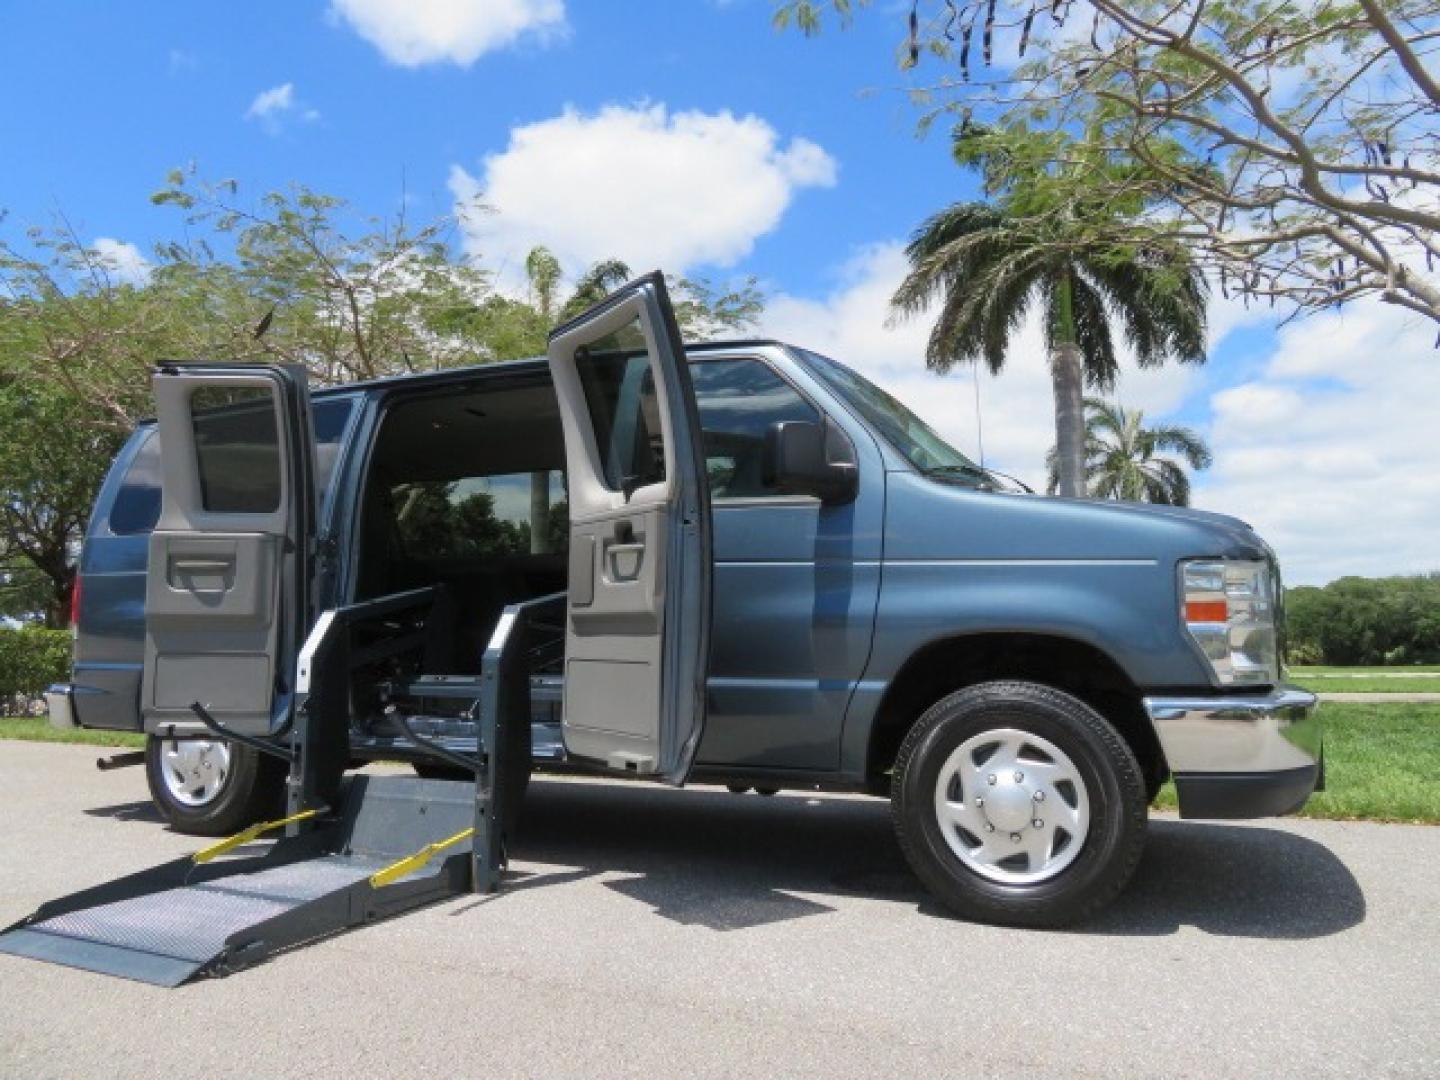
(1392, 620)
(31, 658)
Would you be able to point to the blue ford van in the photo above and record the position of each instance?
(774, 576)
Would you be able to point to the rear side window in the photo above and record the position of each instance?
(474, 517)
(136, 508)
(137, 503)
(237, 449)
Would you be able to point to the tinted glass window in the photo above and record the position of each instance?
(738, 401)
(901, 428)
(237, 449)
(137, 503)
(624, 410)
(479, 516)
(330, 419)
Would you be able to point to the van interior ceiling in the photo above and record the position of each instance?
(465, 492)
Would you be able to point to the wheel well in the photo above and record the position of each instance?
(943, 667)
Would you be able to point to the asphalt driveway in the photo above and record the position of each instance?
(655, 932)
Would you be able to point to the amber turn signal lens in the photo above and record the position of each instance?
(1206, 611)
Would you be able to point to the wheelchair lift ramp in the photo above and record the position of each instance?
(183, 918)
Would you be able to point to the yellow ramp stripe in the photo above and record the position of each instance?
(254, 831)
(408, 865)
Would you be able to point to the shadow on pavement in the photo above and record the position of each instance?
(731, 862)
(1235, 881)
(130, 811)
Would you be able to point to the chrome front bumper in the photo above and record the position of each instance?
(60, 704)
(1245, 756)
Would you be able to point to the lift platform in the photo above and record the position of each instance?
(194, 916)
(392, 843)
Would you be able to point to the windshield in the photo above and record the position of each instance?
(900, 427)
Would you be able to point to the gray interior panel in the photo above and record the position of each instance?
(637, 622)
(221, 553)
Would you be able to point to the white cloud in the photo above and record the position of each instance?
(277, 99)
(636, 183)
(415, 32)
(273, 107)
(122, 260)
(1331, 453)
(1017, 407)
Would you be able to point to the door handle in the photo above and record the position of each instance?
(625, 561)
(201, 566)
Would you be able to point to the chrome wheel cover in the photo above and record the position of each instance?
(194, 770)
(1012, 806)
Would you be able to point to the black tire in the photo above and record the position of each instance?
(737, 789)
(254, 790)
(1113, 783)
(767, 791)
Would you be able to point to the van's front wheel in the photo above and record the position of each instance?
(1018, 804)
(208, 787)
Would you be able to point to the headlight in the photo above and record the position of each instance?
(1228, 606)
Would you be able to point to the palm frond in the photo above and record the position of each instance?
(1124, 459)
(947, 250)
(1172, 439)
(1092, 331)
(1162, 307)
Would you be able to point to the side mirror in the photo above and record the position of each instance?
(802, 458)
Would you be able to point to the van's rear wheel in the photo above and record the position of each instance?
(1018, 804)
(208, 787)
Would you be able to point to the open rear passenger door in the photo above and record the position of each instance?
(227, 593)
(638, 612)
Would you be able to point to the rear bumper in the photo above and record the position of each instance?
(1241, 757)
(60, 704)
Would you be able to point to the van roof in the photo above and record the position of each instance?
(530, 363)
(444, 374)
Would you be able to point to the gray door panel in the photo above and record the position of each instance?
(227, 580)
(638, 614)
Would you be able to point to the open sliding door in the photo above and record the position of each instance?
(638, 613)
(227, 587)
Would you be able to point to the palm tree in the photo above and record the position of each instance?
(988, 268)
(1124, 459)
(542, 271)
(603, 278)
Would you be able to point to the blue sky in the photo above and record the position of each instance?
(147, 87)
(691, 134)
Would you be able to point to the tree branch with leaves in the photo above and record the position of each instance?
(1294, 146)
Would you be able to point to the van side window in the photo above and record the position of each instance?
(237, 449)
(137, 503)
(624, 408)
(738, 400)
(479, 517)
(136, 508)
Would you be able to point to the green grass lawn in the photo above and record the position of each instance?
(1382, 763)
(1407, 669)
(1343, 685)
(38, 729)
